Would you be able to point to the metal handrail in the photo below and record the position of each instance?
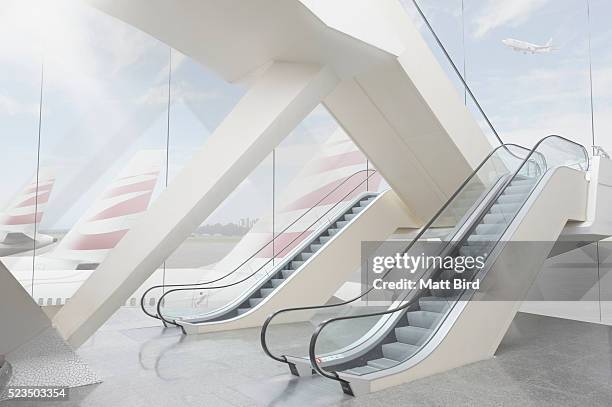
(163, 286)
(264, 329)
(173, 322)
(411, 302)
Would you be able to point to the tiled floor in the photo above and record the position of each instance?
(47, 360)
(541, 362)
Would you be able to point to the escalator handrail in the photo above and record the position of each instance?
(445, 250)
(411, 302)
(418, 236)
(163, 286)
(185, 288)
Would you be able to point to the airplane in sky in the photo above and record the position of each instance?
(19, 220)
(527, 47)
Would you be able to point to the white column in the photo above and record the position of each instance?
(276, 102)
(408, 118)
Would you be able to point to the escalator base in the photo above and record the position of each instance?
(346, 388)
(293, 369)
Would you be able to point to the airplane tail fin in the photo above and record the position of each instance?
(549, 43)
(115, 211)
(28, 207)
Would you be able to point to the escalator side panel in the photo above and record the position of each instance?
(473, 329)
(324, 273)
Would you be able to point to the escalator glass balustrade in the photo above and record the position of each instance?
(354, 339)
(233, 293)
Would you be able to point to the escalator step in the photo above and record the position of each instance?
(276, 282)
(332, 231)
(341, 223)
(382, 363)
(357, 209)
(255, 301)
(357, 371)
(296, 264)
(469, 251)
(412, 335)
(287, 273)
(423, 319)
(315, 247)
(522, 182)
(476, 239)
(494, 218)
(433, 304)
(521, 191)
(324, 239)
(450, 294)
(398, 351)
(243, 310)
(517, 189)
(490, 229)
(514, 198)
(264, 292)
(306, 255)
(349, 216)
(504, 208)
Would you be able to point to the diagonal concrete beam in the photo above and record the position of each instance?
(276, 102)
(21, 318)
(408, 118)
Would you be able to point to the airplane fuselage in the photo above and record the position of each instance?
(527, 47)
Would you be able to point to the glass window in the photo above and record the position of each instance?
(529, 66)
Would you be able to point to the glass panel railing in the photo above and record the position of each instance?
(396, 335)
(449, 65)
(223, 290)
(444, 227)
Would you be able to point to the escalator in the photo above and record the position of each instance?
(509, 212)
(234, 298)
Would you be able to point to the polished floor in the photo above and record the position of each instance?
(542, 362)
(48, 360)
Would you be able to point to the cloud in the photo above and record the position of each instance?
(12, 107)
(158, 95)
(602, 82)
(498, 13)
(573, 125)
(527, 106)
(431, 11)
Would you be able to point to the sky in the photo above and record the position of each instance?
(105, 93)
(105, 96)
(530, 96)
